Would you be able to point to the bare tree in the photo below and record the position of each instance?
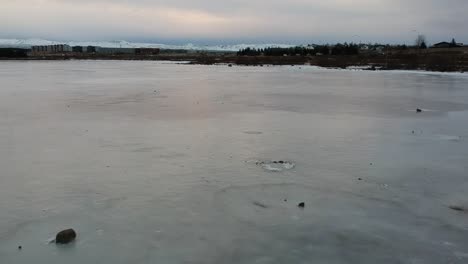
(420, 41)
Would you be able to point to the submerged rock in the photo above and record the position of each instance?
(419, 110)
(65, 236)
(301, 205)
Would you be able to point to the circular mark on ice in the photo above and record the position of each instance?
(278, 167)
(275, 165)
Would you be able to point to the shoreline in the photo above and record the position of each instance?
(420, 62)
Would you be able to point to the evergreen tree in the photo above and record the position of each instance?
(453, 43)
(423, 45)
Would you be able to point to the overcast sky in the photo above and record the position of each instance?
(235, 21)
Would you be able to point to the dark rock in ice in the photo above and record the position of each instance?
(253, 132)
(259, 204)
(65, 236)
(458, 208)
(419, 110)
(301, 205)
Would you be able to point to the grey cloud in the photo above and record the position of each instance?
(258, 20)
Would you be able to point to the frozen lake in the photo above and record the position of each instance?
(164, 163)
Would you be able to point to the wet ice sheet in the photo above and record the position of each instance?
(149, 163)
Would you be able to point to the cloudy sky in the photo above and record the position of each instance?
(235, 21)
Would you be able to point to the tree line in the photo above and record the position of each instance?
(311, 50)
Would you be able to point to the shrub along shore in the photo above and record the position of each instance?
(451, 60)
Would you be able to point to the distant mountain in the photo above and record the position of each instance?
(27, 43)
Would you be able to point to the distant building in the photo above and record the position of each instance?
(90, 49)
(380, 49)
(77, 49)
(445, 44)
(114, 51)
(51, 49)
(38, 49)
(364, 47)
(147, 51)
(110, 51)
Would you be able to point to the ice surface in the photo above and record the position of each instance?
(168, 177)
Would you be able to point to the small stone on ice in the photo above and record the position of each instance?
(65, 236)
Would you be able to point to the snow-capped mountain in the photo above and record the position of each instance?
(27, 43)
